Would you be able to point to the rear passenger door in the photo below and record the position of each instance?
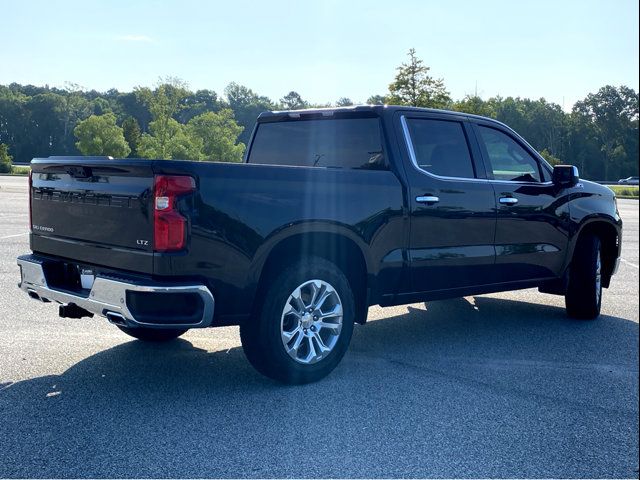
(533, 215)
(452, 206)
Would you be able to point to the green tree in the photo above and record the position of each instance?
(511, 112)
(99, 135)
(415, 87)
(45, 126)
(73, 108)
(344, 102)
(546, 125)
(600, 135)
(101, 106)
(132, 134)
(132, 104)
(377, 100)
(475, 105)
(174, 143)
(293, 101)
(219, 135)
(5, 159)
(199, 102)
(164, 103)
(553, 160)
(246, 106)
(613, 114)
(582, 147)
(15, 125)
(541, 123)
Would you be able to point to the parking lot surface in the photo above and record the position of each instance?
(501, 385)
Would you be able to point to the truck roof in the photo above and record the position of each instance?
(275, 115)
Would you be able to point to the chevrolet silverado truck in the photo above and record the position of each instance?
(332, 210)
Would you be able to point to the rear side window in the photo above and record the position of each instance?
(507, 159)
(342, 143)
(441, 147)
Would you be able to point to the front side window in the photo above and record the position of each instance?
(341, 143)
(507, 159)
(440, 147)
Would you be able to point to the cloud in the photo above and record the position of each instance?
(134, 38)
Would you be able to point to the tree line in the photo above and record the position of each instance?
(599, 134)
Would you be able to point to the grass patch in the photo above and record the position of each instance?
(625, 191)
(19, 170)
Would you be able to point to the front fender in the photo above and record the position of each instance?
(595, 205)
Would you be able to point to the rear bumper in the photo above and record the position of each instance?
(116, 298)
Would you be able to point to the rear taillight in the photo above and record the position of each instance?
(169, 226)
(30, 202)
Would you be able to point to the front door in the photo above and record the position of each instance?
(533, 214)
(452, 205)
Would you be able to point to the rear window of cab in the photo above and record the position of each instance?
(353, 143)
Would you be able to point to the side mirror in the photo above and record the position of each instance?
(565, 176)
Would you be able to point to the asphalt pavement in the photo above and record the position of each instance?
(501, 385)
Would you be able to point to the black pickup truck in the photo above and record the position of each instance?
(332, 211)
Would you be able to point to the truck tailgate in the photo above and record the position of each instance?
(97, 211)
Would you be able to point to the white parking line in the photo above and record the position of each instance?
(17, 235)
(629, 263)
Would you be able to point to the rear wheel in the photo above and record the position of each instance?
(305, 324)
(584, 293)
(152, 334)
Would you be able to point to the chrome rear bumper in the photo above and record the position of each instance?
(108, 296)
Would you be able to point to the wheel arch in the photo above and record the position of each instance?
(608, 233)
(340, 248)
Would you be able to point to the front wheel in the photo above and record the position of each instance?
(584, 292)
(305, 325)
(152, 334)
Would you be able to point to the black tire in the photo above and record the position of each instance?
(584, 292)
(152, 334)
(261, 336)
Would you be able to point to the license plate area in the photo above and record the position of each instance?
(70, 277)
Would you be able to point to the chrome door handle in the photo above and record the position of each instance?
(427, 199)
(508, 200)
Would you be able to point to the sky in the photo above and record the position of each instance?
(560, 50)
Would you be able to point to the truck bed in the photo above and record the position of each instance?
(98, 211)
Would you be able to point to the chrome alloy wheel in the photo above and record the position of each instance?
(598, 277)
(311, 321)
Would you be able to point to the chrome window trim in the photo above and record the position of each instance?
(414, 162)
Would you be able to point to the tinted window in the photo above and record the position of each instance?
(507, 159)
(345, 143)
(441, 147)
